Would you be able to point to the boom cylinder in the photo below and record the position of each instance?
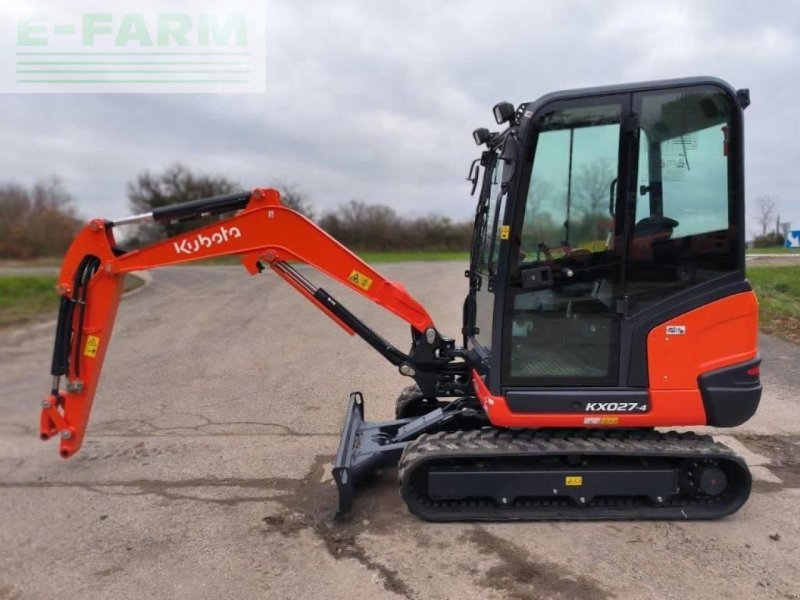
(192, 209)
(202, 207)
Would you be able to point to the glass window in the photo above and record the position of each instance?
(565, 332)
(682, 234)
(488, 256)
(494, 218)
(570, 194)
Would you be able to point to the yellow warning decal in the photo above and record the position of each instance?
(504, 232)
(574, 480)
(609, 420)
(91, 346)
(360, 280)
(593, 246)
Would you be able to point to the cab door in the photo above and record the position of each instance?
(561, 324)
(685, 241)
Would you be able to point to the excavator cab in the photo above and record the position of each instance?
(607, 269)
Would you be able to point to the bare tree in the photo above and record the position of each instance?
(39, 221)
(592, 185)
(590, 219)
(294, 197)
(363, 226)
(176, 184)
(766, 206)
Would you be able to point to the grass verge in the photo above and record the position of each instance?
(778, 290)
(25, 298)
(46, 261)
(368, 257)
(772, 250)
(393, 257)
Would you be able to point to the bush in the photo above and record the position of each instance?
(769, 240)
(176, 184)
(36, 222)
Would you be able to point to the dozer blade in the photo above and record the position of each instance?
(368, 447)
(363, 449)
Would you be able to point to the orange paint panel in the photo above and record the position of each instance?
(668, 408)
(719, 334)
(270, 230)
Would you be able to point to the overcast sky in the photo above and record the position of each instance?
(377, 100)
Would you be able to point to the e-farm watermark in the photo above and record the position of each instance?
(134, 46)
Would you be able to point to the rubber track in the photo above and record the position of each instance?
(489, 443)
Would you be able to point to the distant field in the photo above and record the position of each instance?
(369, 257)
(778, 290)
(772, 250)
(30, 297)
(48, 261)
(391, 257)
(376, 257)
(25, 298)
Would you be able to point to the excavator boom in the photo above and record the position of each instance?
(263, 233)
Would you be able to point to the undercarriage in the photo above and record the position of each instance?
(448, 473)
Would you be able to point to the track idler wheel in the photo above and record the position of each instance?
(704, 478)
(711, 481)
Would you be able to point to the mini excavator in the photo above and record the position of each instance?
(606, 299)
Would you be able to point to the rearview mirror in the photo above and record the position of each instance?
(509, 157)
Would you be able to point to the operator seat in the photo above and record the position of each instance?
(654, 226)
(648, 233)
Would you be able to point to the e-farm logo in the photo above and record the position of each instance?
(172, 46)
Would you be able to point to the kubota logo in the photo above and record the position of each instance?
(189, 246)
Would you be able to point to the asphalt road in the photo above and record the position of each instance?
(205, 473)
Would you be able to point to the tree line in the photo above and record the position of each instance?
(41, 221)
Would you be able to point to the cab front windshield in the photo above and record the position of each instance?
(570, 201)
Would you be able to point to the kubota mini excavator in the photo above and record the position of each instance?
(607, 298)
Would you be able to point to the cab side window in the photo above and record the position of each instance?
(683, 233)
